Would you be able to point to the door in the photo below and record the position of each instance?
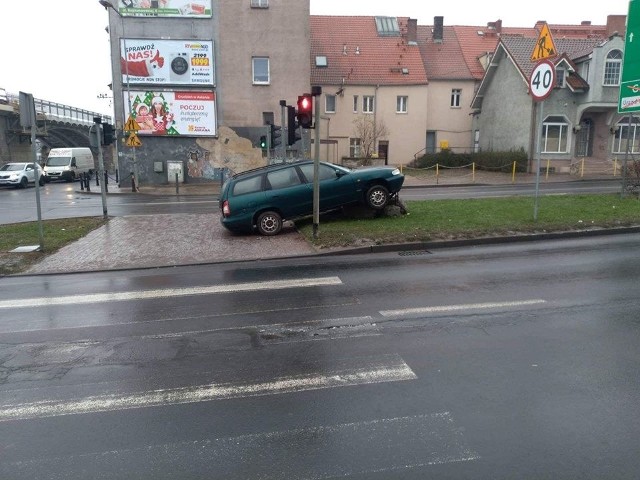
(584, 139)
(383, 151)
(431, 142)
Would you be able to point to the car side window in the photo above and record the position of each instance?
(286, 177)
(324, 172)
(248, 185)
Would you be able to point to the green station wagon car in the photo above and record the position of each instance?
(265, 197)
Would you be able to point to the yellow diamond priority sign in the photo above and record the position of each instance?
(545, 47)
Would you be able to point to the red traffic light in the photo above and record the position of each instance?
(305, 110)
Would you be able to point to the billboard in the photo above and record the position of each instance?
(172, 113)
(165, 8)
(167, 62)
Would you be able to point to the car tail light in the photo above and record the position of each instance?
(226, 211)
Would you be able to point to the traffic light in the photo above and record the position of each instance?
(292, 126)
(305, 110)
(263, 142)
(276, 133)
(108, 134)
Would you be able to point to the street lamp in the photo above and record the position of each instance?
(108, 5)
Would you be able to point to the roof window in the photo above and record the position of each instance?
(387, 26)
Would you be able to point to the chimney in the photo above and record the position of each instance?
(412, 30)
(498, 26)
(585, 23)
(616, 23)
(438, 29)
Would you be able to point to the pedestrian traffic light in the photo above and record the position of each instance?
(263, 142)
(108, 134)
(292, 126)
(305, 110)
(276, 133)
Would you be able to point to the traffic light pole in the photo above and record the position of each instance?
(316, 166)
(285, 129)
(103, 192)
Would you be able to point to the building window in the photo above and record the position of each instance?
(612, 68)
(354, 147)
(387, 26)
(355, 104)
(456, 93)
(260, 70)
(554, 132)
(560, 76)
(624, 132)
(368, 104)
(259, 3)
(401, 104)
(330, 104)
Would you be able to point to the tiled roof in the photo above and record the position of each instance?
(445, 59)
(357, 55)
(520, 49)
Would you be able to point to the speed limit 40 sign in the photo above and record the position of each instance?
(543, 79)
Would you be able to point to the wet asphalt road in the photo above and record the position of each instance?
(505, 361)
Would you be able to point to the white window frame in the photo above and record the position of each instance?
(329, 104)
(355, 147)
(551, 123)
(368, 104)
(456, 97)
(402, 102)
(612, 69)
(620, 136)
(253, 71)
(259, 3)
(355, 104)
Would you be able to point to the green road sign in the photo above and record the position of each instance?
(629, 98)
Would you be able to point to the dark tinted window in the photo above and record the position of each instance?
(248, 185)
(324, 172)
(287, 177)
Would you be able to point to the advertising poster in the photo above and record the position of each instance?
(167, 62)
(175, 113)
(165, 8)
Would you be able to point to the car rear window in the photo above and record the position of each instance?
(248, 185)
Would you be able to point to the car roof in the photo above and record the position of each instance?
(272, 166)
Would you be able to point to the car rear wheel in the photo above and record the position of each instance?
(269, 223)
(377, 197)
(42, 181)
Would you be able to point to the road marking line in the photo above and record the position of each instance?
(356, 448)
(457, 308)
(170, 292)
(394, 370)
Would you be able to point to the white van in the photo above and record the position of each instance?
(68, 163)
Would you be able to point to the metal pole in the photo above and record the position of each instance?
(285, 129)
(539, 149)
(103, 192)
(34, 155)
(626, 157)
(316, 169)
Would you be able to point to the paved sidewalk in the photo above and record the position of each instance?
(182, 239)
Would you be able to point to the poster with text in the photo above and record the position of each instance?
(165, 8)
(174, 113)
(167, 62)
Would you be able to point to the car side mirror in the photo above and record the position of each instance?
(340, 173)
(73, 163)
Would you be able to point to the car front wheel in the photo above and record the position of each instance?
(269, 223)
(23, 182)
(377, 197)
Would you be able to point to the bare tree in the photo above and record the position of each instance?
(369, 131)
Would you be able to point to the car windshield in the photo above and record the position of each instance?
(12, 167)
(57, 161)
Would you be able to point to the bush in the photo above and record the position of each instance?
(492, 161)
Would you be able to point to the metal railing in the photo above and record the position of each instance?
(58, 111)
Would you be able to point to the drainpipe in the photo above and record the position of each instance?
(375, 117)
